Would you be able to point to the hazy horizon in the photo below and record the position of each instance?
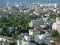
(32, 1)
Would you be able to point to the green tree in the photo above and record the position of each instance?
(54, 33)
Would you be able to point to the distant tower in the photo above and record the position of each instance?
(55, 5)
(7, 3)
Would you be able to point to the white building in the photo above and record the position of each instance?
(41, 23)
(54, 26)
(34, 31)
(35, 23)
(30, 31)
(27, 38)
(27, 43)
(39, 38)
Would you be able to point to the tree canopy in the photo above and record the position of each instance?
(20, 21)
(54, 33)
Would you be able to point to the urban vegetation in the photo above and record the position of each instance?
(20, 21)
(54, 33)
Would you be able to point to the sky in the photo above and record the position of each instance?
(40, 1)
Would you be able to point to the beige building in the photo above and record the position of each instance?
(56, 25)
(34, 32)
